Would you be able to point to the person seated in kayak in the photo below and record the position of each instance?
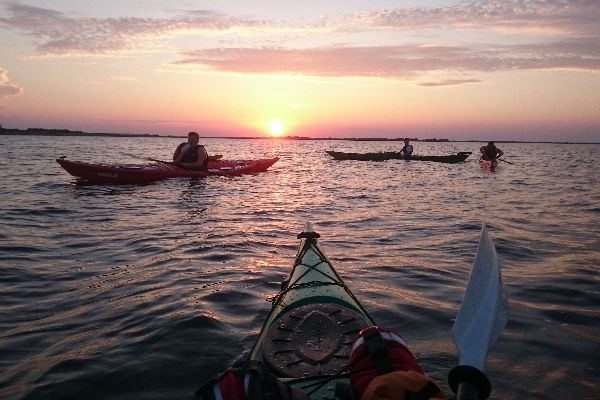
(191, 154)
(407, 149)
(490, 152)
(381, 368)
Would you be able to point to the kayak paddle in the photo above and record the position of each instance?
(508, 162)
(210, 158)
(158, 161)
(480, 319)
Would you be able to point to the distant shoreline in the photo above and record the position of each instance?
(68, 132)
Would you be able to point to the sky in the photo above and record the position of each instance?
(462, 70)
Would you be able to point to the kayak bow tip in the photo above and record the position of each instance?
(308, 232)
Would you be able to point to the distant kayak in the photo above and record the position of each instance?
(122, 174)
(395, 155)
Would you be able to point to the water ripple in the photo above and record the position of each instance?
(145, 291)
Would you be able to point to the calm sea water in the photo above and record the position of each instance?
(121, 292)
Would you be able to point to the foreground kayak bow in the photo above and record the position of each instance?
(318, 342)
(306, 339)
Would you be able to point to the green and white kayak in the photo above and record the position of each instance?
(306, 343)
(306, 339)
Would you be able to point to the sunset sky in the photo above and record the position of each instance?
(489, 69)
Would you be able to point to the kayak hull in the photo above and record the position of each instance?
(306, 339)
(121, 174)
(394, 155)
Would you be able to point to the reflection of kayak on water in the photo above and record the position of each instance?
(104, 173)
(319, 342)
(492, 164)
(488, 164)
(396, 155)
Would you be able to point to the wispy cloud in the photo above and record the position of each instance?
(340, 61)
(572, 17)
(61, 35)
(125, 78)
(552, 34)
(449, 82)
(7, 88)
(394, 62)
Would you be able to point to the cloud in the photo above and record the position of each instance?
(394, 62)
(60, 35)
(125, 78)
(449, 82)
(519, 35)
(6, 88)
(340, 61)
(572, 17)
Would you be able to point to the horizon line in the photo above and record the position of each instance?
(67, 132)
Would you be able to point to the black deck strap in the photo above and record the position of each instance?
(308, 235)
(471, 375)
(343, 391)
(428, 391)
(263, 384)
(377, 351)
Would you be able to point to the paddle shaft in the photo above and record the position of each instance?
(210, 158)
(508, 162)
(159, 161)
(467, 391)
(469, 383)
(210, 171)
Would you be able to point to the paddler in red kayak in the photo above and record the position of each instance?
(491, 153)
(191, 155)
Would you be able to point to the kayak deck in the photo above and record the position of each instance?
(306, 339)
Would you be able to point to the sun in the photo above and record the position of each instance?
(275, 127)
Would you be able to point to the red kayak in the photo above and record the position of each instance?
(104, 173)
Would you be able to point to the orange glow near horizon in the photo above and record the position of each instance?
(172, 74)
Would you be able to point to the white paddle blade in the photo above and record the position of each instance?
(484, 309)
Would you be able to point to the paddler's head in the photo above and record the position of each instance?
(193, 138)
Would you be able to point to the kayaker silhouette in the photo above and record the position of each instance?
(407, 149)
(491, 154)
(191, 154)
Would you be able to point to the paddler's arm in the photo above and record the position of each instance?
(177, 161)
(198, 164)
(195, 165)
